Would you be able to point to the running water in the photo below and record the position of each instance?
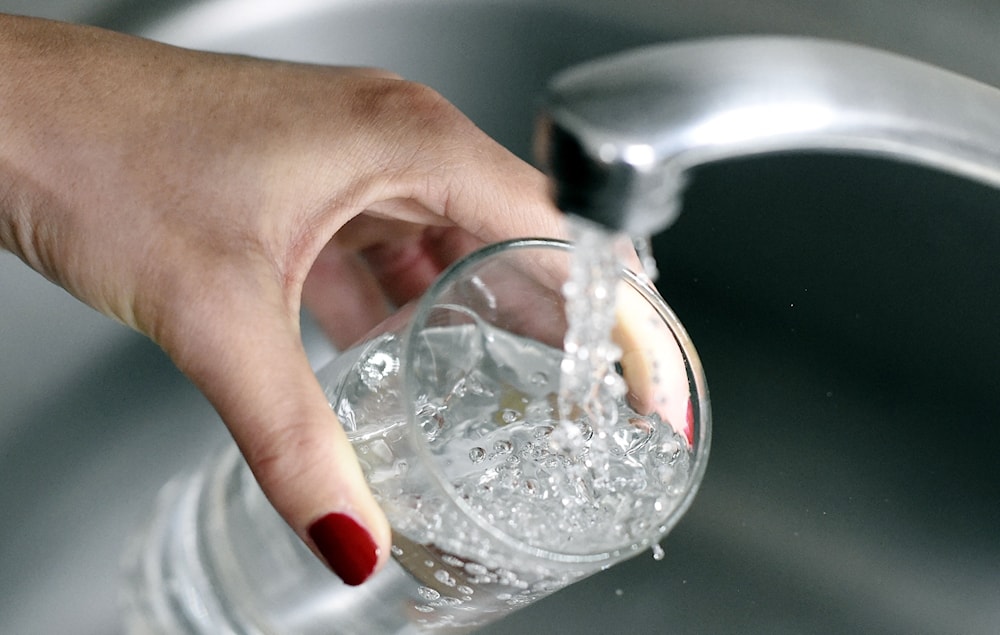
(589, 388)
(538, 446)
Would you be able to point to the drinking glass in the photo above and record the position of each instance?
(453, 409)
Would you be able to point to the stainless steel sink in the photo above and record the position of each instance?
(845, 310)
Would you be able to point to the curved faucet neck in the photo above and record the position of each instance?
(618, 135)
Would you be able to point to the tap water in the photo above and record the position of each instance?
(538, 449)
(589, 382)
(504, 471)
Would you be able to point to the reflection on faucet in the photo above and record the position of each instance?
(618, 135)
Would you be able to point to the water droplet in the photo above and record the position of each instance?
(477, 454)
(423, 608)
(396, 551)
(658, 553)
(465, 590)
(619, 592)
(428, 593)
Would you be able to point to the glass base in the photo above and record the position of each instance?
(216, 559)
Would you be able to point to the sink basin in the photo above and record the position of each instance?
(844, 309)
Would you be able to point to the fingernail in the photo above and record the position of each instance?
(346, 546)
(689, 431)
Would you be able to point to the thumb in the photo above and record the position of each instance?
(257, 376)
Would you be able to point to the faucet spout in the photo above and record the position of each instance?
(618, 135)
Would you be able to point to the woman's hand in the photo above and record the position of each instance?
(199, 198)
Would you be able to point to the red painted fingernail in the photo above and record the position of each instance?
(346, 546)
(690, 422)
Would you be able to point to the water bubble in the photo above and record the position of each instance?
(635, 436)
(542, 431)
(444, 577)
(428, 593)
(476, 569)
(432, 426)
(509, 415)
(668, 452)
(477, 454)
(506, 576)
(377, 367)
(503, 446)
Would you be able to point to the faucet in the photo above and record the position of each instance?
(618, 136)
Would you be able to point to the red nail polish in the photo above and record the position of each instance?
(347, 547)
(689, 431)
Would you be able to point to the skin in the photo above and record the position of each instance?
(202, 199)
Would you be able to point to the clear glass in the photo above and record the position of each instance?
(451, 407)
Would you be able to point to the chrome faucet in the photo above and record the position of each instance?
(618, 136)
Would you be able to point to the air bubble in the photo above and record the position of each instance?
(379, 365)
(476, 569)
(428, 593)
(503, 446)
(444, 577)
(477, 454)
(542, 431)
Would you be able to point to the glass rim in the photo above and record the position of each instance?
(693, 368)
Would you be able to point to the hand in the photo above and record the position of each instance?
(199, 198)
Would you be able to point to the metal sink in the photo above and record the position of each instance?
(845, 310)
